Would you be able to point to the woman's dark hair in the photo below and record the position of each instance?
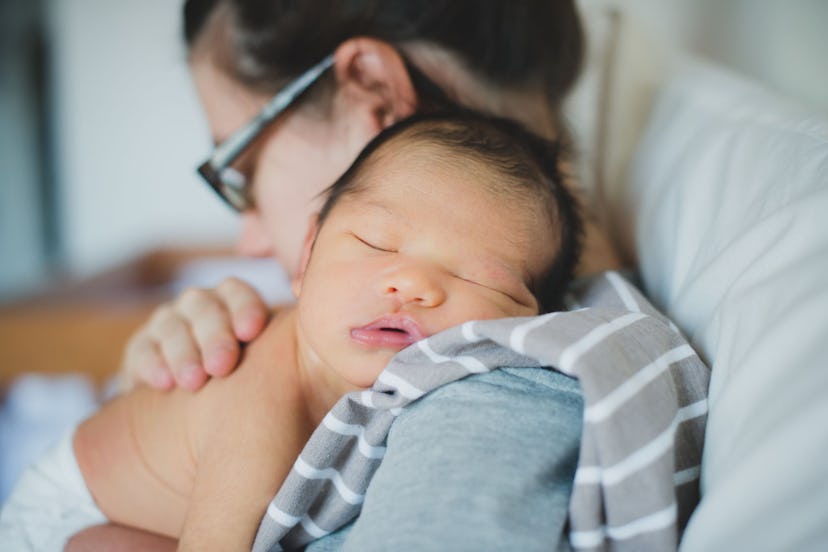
(509, 43)
(523, 167)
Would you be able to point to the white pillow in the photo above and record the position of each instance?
(728, 203)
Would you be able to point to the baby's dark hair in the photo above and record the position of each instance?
(525, 167)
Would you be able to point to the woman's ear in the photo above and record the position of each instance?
(373, 74)
(310, 237)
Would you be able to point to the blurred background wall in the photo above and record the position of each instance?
(99, 140)
(23, 209)
(782, 44)
(100, 131)
(129, 133)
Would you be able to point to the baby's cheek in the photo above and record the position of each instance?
(365, 372)
(480, 311)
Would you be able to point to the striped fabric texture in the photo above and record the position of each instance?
(645, 407)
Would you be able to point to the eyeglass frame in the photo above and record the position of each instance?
(231, 187)
(217, 170)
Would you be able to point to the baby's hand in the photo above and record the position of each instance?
(195, 336)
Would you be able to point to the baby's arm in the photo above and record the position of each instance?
(99, 538)
(251, 430)
(134, 457)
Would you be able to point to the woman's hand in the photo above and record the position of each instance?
(195, 336)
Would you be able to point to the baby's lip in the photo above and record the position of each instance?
(396, 332)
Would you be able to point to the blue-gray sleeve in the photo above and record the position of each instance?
(485, 463)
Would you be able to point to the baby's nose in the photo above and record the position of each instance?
(415, 284)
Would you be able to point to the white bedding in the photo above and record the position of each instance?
(724, 205)
(728, 203)
(36, 410)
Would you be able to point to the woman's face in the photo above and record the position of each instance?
(298, 156)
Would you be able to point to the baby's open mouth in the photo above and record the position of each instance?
(396, 332)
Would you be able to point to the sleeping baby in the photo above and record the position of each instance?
(442, 219)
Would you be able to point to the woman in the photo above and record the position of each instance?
(514, 60)
(350, 69)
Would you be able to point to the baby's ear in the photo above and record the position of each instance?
(310, 237)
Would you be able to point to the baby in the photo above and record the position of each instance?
(442, 219)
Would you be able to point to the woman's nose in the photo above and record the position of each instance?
(414, 283)
(253, 240)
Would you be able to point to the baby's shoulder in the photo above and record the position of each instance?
(262, 391)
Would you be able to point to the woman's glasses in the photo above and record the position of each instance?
(230, 184)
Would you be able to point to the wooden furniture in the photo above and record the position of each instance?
(83, 326)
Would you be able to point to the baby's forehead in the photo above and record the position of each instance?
(442, 164)
(433, 158)
(433, 173)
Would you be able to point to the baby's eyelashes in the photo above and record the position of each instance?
(373, 245)
(502, 290)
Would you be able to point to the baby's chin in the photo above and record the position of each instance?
(363, 375)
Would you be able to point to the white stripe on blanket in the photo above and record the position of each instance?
(645, 406)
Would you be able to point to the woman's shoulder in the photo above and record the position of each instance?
(598, 254)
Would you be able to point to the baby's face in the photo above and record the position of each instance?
(422, 247)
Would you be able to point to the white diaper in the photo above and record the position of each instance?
(49, 504)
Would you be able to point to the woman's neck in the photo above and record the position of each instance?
(527, 106)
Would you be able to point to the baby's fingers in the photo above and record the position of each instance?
(248, 312)
(178, 347)
(143, 362)
(209, 321)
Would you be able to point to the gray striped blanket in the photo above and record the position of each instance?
(645, 406)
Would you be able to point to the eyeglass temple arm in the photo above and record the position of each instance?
(228, 150)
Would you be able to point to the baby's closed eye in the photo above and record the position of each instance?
(498, 288)
(374, 244)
